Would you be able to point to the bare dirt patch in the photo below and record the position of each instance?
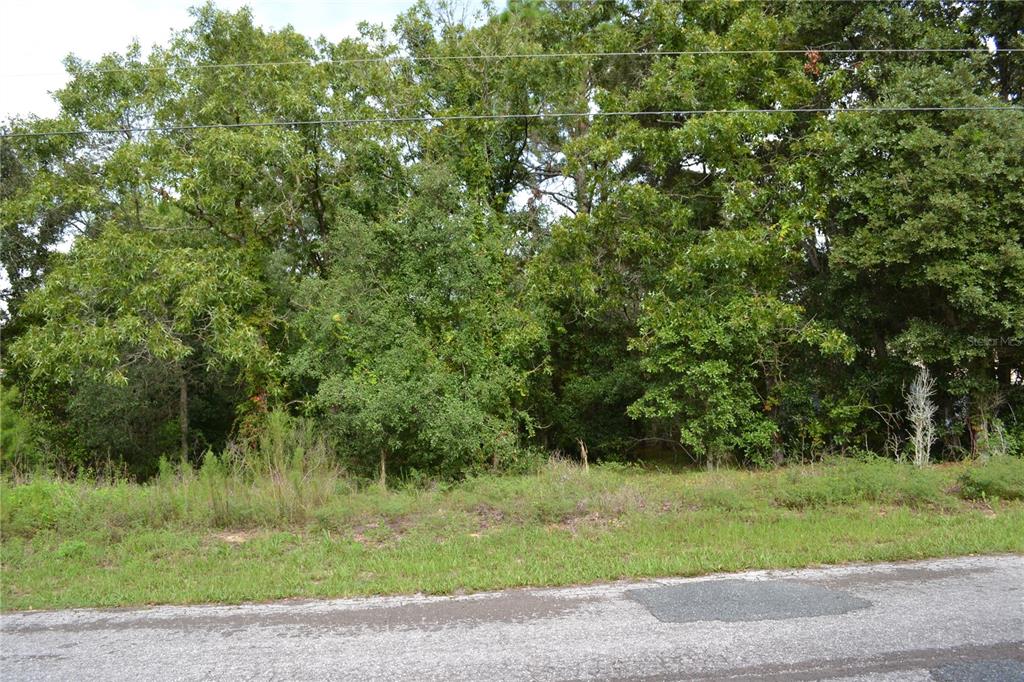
(235, 537)
(580, 522)
(382, 532)
(488, 516)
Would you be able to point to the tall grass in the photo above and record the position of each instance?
(289, 480)
(282, 477)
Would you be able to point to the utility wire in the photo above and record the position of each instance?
(531, 55)
(501, 117)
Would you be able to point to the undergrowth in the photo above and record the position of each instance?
(300, 487)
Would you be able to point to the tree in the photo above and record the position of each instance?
(413, 346)
(440, 291)
(924, 241)
(666, 193)
(129, 299)
(48, 195)
(717, 342)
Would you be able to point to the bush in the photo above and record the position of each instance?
(1001, 477)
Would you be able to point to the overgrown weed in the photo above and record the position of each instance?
(289, 480)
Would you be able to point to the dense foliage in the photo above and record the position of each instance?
(451, 290)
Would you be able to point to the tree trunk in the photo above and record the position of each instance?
(778, 451)
(183, 412)
(583, 200)
(1004, 377)
(773, 411)
(383, 480)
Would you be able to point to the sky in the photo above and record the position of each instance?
(36, 35)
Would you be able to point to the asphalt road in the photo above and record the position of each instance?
(950, 619)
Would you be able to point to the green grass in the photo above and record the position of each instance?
(1002, 477)
(226, 536)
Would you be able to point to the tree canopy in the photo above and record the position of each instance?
(726, 231)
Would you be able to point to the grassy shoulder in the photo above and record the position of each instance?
(220, 536)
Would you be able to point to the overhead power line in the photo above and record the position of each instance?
(529, 55)
(501, 117)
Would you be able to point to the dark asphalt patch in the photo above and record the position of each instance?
(743, 600)
(980, 671)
